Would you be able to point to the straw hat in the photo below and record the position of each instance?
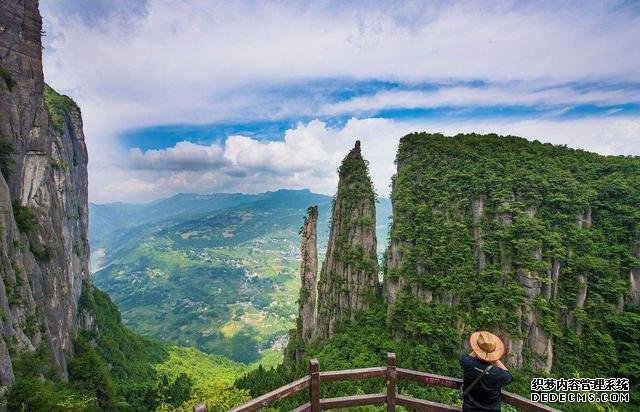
(487, 346)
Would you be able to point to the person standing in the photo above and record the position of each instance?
(484, 373)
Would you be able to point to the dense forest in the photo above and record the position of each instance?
(534, 241)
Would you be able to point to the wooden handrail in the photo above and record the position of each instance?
(357, 400)
(438, 380)
(303, 408)
(353, 374)
(390, 398)
(274, 395)
(429, 378)
(424, 405)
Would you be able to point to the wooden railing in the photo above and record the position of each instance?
(391, 398)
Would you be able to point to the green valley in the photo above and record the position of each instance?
(216, 272)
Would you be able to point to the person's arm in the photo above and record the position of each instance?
(504, 376)
(466, 363)
(500, 365)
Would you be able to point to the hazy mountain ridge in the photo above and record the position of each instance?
(112, 223)
(110, 217)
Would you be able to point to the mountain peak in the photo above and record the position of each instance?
(355, 153)
(348, 279)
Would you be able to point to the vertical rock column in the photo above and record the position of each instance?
(634, 275)
(514, 344)
(538, 340)
(584, 223)
(349, 275)
(308, 277)
(477, 213)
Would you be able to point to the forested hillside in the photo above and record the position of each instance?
(538, 243)
(223, 281)
(535, 241)
(114, 368)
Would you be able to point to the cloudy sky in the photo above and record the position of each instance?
(204, 96)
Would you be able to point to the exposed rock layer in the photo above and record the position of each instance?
(44, 251)
(308, 276)
(349, 276)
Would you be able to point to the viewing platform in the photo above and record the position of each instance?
(391, 398)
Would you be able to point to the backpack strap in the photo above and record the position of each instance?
(476, 380)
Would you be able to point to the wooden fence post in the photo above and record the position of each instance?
(391, 382)
(314, 389)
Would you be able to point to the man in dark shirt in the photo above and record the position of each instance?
(485, 395)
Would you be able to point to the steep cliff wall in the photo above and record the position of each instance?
(307, 321)
(349, 276)
(44, 252)
(309, 276)
(534, 241)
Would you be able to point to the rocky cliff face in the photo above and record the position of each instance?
(634, 276)
(308, 276)
(349, 276)
(44, 251)
(529, 240)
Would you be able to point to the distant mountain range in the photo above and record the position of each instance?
(109, 219)
(218, 271)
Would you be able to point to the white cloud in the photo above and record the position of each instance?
(310, 154)
(461, 96)
(202, 62)
(132, 187)
(183, 156)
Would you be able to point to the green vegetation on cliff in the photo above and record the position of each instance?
(38, 385)
(8, 79)
(6, 150)
(534, 241)
(542, 204)
(58, 106)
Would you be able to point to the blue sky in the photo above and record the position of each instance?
(208, 96)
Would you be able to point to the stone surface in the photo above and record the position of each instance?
(634, 276)
(349, 276)
(308, 276)
(42, 268)
(477, 213)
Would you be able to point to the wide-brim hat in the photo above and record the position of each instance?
(487, 346)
